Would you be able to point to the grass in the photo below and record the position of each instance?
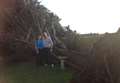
(31, 74)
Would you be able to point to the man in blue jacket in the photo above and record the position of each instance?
(39, 45)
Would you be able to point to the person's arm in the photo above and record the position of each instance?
(37, 51)
(51, 42)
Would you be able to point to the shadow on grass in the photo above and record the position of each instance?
(29, 73)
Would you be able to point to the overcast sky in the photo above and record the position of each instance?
(86, 16)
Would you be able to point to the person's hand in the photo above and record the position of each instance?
(37, 51)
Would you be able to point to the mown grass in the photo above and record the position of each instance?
(28, 73)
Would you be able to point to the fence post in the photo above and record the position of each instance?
(62, 61)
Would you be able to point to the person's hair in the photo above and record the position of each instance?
(45, 35)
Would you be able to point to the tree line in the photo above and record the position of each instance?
(95, 55)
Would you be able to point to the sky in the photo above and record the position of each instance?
(87, 16)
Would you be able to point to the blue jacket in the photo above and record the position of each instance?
(39, 43)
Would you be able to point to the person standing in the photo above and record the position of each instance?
(48, 44)
(39, 46)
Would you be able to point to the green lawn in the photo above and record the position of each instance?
(31, 74)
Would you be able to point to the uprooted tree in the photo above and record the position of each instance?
(28, 20)
(94, 55)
